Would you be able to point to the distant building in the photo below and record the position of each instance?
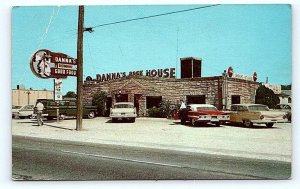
(22, 96)
(285, 96)
(275, 88)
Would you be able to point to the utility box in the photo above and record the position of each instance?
(190, 67)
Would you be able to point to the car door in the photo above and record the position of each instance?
(233, 113)
(27, 110)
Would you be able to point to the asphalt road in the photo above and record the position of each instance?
(46, 159)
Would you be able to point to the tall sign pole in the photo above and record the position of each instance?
(80, 68)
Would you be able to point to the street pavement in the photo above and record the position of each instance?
(258, 142)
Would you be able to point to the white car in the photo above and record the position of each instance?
(15, 111)
(25, 111)
(123, 111)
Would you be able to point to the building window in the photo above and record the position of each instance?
(289, 100)
(152, 101)
(235, 99)
(195, 99)
(121, 97)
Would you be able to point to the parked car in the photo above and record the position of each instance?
(249, 114)
(15, 110)
(285, 108)
(123, 111)
(22, 112)
(203, 113)
(67, 108)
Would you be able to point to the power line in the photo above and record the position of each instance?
(152, 16)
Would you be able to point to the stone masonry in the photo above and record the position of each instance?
(217, 90)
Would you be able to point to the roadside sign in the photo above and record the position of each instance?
(46, 64)
(57, 89)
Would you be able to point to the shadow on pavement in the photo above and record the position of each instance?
(187, 124)
(253, 127)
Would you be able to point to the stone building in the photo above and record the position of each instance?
(147, 91)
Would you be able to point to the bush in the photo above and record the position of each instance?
(163, 111)
(99, 100)
(154, 112)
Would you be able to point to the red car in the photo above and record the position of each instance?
(203, 113)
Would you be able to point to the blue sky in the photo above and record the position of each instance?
(247, 37)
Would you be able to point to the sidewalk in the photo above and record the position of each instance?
(261, 143)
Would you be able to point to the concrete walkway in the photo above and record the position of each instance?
(258, 142)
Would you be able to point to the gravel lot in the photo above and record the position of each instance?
(257, 142)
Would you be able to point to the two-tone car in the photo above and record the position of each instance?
(22, 112)
(205, 113)
(249, 114)
(123, 111)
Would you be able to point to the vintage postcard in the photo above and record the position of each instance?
(152, 92)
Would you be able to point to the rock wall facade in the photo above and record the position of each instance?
(216, 90)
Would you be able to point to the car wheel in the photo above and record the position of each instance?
(218, 124)
(50, 118)
(113, 120)
(269, 125)
(91, 115)
(133, 120)
(62, 116)
(248, 123)
(182, 121)
(22, 117)
(193, 122)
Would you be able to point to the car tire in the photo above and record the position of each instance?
(269, 125)
(248, 123)
(91, 115)
(62, 116)
(133, 120)
(113, 120)
(193, 122)
(21, 117)
(217, 124)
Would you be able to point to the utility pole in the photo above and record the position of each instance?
(80, 68)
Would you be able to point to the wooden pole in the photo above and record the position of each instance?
(80, 68)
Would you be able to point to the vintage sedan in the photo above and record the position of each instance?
(287, 108)
(123, 111)
(249, 114)
(204, 113)
(22, 112)
(15, 111)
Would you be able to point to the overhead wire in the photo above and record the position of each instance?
(153, 16)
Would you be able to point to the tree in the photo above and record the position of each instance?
(99, 100)
(286, 87)
(266, 96)
(70, 94)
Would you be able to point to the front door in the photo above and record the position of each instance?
(136, 103)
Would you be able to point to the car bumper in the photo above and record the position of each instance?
(269, 121)
(129, 116)
(212, 119)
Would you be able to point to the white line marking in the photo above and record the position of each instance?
(124, 159)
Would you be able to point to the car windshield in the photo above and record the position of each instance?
(206, 108)
(258, 108)
(123, 106)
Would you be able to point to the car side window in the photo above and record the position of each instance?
(242, 108)
(72, 103)
(233, 108)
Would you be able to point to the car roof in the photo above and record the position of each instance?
(201, 105)
(123, 103)
(248, 105)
